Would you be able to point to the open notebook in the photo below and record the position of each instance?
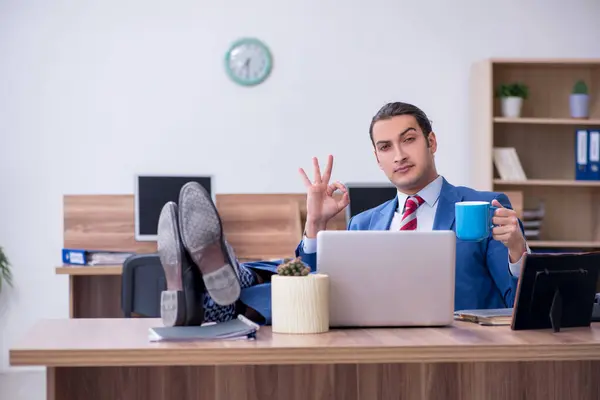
(494, 316)
(240, 328)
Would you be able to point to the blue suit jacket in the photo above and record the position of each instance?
(483, 279)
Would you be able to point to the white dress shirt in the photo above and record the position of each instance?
(425, 217)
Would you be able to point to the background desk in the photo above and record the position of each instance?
(113, 359)
(258, 226)
(94, 292)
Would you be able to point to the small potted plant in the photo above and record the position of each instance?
(579, 100)
(299, 299)
(5, 274)
(511, 98)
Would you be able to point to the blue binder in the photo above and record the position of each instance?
(594, 154)
(583, 171)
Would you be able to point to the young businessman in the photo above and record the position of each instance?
(191, 244)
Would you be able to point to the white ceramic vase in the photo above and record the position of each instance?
(300, 304)
(579, 105)
(511, 106)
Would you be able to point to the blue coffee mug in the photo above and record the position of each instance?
(474, 220)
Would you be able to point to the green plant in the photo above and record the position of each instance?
(516, 89)
(5, 274)
(580, 87)
(293, 267)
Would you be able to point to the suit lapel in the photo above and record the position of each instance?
(386, 214)
(444, 216)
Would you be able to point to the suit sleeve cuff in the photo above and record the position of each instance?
(309, 245)
(515, 268)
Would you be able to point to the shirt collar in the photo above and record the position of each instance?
(429, 193)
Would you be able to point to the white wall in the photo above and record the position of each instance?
(143, 82)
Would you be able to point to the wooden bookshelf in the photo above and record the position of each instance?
(547, 182)
(549, 121)
(544, 138)
(564, 244)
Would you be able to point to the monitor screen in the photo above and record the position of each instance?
(366, 196)
(151, 194)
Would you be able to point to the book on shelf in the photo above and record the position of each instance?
(240, 328)
(508, 164)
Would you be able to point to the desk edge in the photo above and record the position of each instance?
(319, 355)
(108, 270)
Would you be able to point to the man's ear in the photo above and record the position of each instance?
(432, 142)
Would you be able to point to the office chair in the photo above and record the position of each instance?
(143, 280)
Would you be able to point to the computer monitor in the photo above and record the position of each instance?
(364, 196)
(151, 194)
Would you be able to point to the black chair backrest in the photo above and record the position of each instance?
(143, 280)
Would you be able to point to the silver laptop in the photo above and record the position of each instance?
(388, 278)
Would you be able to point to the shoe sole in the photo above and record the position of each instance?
(172, 302)
(201, 226)
(179, 304)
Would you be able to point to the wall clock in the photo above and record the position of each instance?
(248, 62)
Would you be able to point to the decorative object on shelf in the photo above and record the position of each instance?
(579, 100)
(248, 62)
(5, 273)
(533, 220)
(508, 164)
(511, 97)
(299, 299)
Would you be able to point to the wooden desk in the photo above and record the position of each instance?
(113, 359)
(94, 292)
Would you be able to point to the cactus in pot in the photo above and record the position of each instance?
(293, 267)
(299, 299)
(579, 100)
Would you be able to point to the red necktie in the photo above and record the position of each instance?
(409, 218)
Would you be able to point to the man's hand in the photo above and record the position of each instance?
(508, 231)
(321, 206)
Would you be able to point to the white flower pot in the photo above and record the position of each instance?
(300, 304)
(579, 105)
(511, 107)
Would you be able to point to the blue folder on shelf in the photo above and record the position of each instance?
(582, 169)
(594, 153)
(587, 155)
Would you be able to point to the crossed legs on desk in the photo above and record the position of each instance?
(204, 278)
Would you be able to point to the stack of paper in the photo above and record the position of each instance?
(240, 328)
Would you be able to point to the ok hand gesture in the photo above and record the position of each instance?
(321, 206)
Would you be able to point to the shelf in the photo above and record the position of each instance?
(548, 182)
(549, 121)
(549, 62)
(562, 244)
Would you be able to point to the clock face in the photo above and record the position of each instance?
(248, 62)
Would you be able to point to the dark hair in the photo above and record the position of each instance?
(397, 108)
